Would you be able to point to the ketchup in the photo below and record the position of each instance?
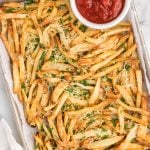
(100, 11)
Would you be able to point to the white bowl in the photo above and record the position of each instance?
(97, 25)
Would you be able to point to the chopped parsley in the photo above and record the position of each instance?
(62, 7)
(57, 56)
(49, 10)
(127, 67)
(69, 18)
(104, 130)
(107, 88)
(128, 125)
(105, 78)
(66, 30)
(50, 130)
(41, 60)
(84, 82)
(105, 137)
(50, 87)
(41, 45)
(75, 22)
(91, 121)
(90, 115)
(9, 10)
(114, 121)
(36, 146)
(123, 46)
(53, 75)
(69, 106)
(23, 86)
(78, 92)
(123, 100)
(28, 2)
(83, 28)
(33, 42)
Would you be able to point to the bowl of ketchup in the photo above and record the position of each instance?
(100, 14)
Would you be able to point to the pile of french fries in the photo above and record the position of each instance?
(80, 88)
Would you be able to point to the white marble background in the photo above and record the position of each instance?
(143, 8)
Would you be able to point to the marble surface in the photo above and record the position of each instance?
(143, 9)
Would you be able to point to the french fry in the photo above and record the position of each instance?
(133, 81)
(82, 77)
(45, 99)
(48, 145)
(106, 71)
(94, 60)
(139, 81)
(34, 18)
(13, 16)
(35, 103)
(53, 129)
(125, 95)
(23, 38)
(21, 68)
(137, 120)
(121, 119)
(15, 35)
(95, 93)
(130, 146)
(130, 51)
(58, 66)
(101, 64)
(142, 130)
(130, 40)
(81, 48)
(78, 101)
(35, 67)
(10, 39)
(90, 109)
(62, 100)
(8, 47)
(16, 77)
(40, 7)
(131, 135)
(91, 133)
(105, 143)
(146, 113)
(4, 26)
(58, 91)
(50, 18)
(61, 128)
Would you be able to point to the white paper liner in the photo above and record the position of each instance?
(26, 130)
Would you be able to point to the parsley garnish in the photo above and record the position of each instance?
(114, 121)
(9, 10)
(90, 122)
(82, 28)
(84, 82)
(105, 78)
(75, 22)
(28, 2)
(41, 60)
(23, 86)
(127, 67)
(69, 18)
